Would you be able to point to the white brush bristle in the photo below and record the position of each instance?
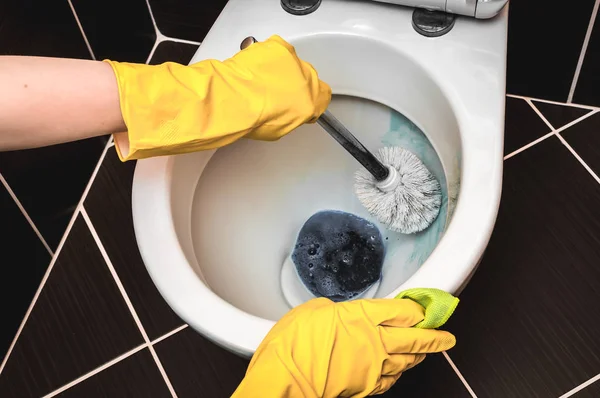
(416, 201)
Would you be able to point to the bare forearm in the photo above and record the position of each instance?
(45, 101)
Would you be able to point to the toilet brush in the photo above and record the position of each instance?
(396, 187)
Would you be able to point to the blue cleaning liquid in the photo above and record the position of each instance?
(404, 133)
(338, 255)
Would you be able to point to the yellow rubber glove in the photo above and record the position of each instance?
(348, 349)
(263, 93)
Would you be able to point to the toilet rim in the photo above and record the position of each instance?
(450, 264)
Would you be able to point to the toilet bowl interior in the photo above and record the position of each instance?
(237, 210)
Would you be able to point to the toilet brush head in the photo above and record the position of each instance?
(409, 201)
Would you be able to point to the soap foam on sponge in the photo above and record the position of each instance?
(338, 255)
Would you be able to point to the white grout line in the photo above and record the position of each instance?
(184, 41)
(460, 376)
(24, 212)
(160, 37)
(584, 47)
(114, 361)
(553, 102)
(96, 371)
(536, 110)
(158, 33)
(574, 122)
(87, 43)
(551, 133)
(580, 387)
(54, 258)
(121, 288)
(565, 143)
(39, 290)
(166, 38)
(154, 47)
(114, 274)
(171, 333)
(162, 371)
(510, 155)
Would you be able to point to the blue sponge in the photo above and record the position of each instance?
(338, 255)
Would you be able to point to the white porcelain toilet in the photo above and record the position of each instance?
(214, 228)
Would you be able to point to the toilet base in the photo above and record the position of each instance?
(466, 282)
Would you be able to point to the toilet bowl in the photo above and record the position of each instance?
(215, 227)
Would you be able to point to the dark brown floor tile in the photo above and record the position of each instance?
(432, 378)
(109, 206)
(559, 115)
(584, 138)
(542, 60)
(24, 262)
(119, 30)
(527, 325)
(198, 368)
(79, 322)
(522, 125)
(185, 19)
(49, 181)
(44, 28)
(166, 51)
(136, 376)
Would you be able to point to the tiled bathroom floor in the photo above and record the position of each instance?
(527, 326)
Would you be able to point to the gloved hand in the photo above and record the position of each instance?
(347, 349)
(263, 93)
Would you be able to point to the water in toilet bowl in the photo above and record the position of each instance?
(338, 255)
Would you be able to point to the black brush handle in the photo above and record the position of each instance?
(341, 134)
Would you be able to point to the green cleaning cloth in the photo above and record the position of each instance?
(438, 305)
